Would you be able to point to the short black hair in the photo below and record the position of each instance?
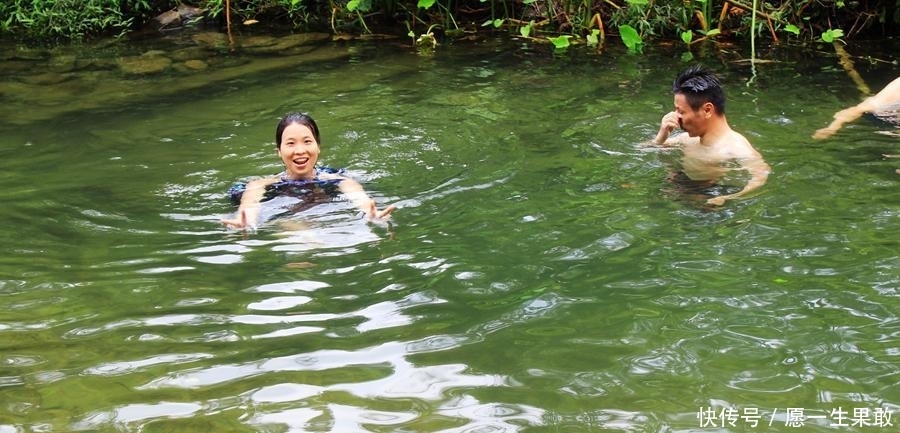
(699, 86)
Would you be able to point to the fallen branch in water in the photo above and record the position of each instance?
(847, 63)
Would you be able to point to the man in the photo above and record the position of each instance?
(711, 148)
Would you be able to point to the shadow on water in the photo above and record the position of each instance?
(538, 276)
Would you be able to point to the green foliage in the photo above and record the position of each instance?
(296, 12)
(561, 42)
(631, 39)
(636, 21)
(497, 23)
(359, 5)
(66, 19)
(832, 35)
(525, 30)
(654, 19)
(593, 39)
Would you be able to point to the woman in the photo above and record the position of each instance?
(885, 105)
(297, 143)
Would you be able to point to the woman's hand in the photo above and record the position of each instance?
(373, 214)
(245, 217)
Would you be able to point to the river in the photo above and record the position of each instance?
(539, 275)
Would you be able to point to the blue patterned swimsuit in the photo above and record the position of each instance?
(304, 189)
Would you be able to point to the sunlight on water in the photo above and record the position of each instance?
(540, 274)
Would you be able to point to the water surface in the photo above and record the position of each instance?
(539, 274)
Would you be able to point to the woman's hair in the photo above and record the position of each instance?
(291, 118)
(699, 86)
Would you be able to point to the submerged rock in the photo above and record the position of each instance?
(62, 62)
(257, 41)
(47, 78)
(149, 63)
(188, 53)
(211, 40)
(196, 65)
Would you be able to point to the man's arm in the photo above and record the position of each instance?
(668, 124)
(759, 173)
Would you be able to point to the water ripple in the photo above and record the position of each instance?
(121, 368)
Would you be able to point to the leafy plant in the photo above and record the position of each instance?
(67, 19)
(443, 10)
(640, 20)
(593, 39)
(832, 35)
(497, 23)
(525, 30)
(631, 39)
(560, 42)
(703, 11)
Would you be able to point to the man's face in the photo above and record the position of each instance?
(690, 121)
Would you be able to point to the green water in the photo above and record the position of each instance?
(539, 275)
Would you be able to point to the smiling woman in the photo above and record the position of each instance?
(297, 143)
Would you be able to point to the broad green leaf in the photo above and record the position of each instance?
(687, 36)
(631, 38)
(426, 4)
(831, 35)
(560, 41)
(593, 39)
(792, 29)
(525, 30)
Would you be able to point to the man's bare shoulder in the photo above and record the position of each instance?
(735, 145)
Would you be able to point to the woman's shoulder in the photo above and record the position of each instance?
(329, 173)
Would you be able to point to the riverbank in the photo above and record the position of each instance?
(117, 72)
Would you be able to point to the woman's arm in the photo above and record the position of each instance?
(888, 96)
(357, 195)
(247, 214)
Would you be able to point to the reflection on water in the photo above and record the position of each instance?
(540, 274)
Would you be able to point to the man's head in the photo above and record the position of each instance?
(700, 86)
(699, 101)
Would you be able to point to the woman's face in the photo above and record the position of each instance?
(299, 151)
